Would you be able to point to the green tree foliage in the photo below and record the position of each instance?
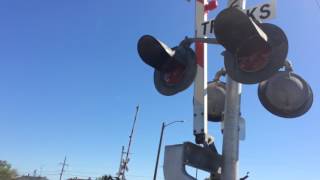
(6, 172)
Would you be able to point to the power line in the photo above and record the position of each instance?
(55, 174)
(81, 176)
(141, 176)
(48, 171)
(86, 175)
(84, 172)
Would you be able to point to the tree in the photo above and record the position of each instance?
(106, 177)
(6, 172)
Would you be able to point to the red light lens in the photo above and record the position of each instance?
(255, 61)
(175, 75)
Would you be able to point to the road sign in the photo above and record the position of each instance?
(260, 12)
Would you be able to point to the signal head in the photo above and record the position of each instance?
(175, 68)
(257, 66)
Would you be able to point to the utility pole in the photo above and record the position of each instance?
(121, 161)
(230, 147)
(63, 165)
(35, 173)
(124, 167)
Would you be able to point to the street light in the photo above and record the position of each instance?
(159, 147)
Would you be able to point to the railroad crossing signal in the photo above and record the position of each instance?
(254, 54)
(255, 51)
(175, 68)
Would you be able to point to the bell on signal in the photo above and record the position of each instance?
(286, 95)
(216, 98)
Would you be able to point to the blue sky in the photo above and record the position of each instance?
(71, 77)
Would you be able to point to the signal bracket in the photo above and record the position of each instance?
(188, 41)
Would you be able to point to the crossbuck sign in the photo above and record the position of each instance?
(260, 12)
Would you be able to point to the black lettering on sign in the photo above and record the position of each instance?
(265, 9)
(234, 4)
(204, 24)
(250, 12)
(211, 26)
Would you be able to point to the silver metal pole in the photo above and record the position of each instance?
(230, 148)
